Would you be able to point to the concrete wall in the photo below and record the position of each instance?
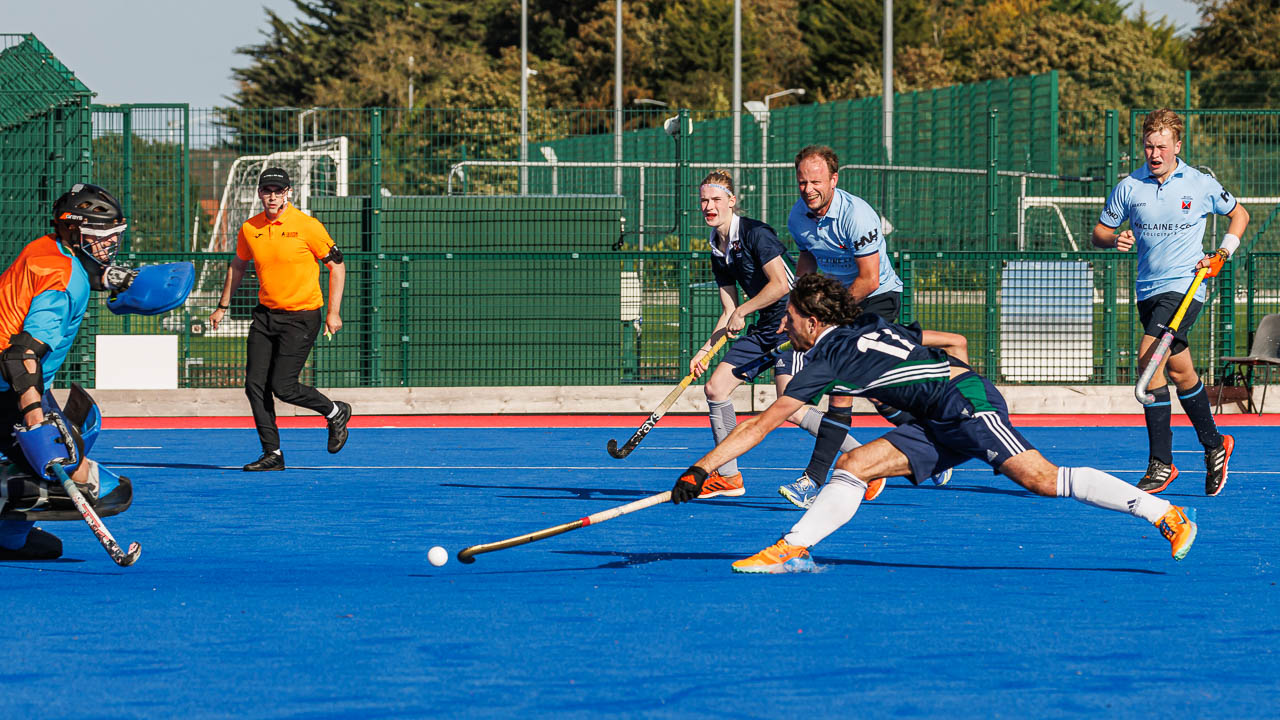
(610, 400)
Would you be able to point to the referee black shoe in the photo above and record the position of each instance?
(1159, 475)
(1215, 463)
(269, 461)
(338, 426)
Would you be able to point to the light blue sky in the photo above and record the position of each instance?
(184, 51)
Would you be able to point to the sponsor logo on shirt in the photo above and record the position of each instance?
(1226, 196)
(865, 240)
(1112, 214)
(289, 234)
(1172, 227)
(1186, 204)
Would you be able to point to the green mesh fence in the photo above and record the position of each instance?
(480, 257)
(45, 128)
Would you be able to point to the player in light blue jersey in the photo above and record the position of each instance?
(842, 236)
(1166, 202)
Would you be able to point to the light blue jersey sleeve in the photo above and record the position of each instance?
(47, 321)
(1116, 211)
(47, 316)
(862, 227)
(1217, 197)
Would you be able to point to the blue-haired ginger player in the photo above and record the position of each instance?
(957, 415)
(43, 298)
(1166, 202)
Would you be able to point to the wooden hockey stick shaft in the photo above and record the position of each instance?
(648, 424)
(467, 555)
(121, 558)
(1166, 339)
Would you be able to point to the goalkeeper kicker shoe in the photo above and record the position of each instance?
(40, 545)
(1215, 463)
(778, 558)
(1178, 526)
(800, 493)
(717, 485)
(1159, 475)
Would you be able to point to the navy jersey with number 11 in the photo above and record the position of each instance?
(875, 359)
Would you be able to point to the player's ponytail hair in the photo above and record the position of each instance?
(824, 298)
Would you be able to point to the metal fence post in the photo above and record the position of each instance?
(1109, 324)
(1227, 314)
(907, 274)
(374, 316)
(992, 310)
(1110, 147)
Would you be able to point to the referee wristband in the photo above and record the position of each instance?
(223, 307)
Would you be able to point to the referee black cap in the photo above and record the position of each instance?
(274, 176)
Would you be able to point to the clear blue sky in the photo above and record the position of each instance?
(184, 51)
(148, 50)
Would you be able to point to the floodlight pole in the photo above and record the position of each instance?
(737, 90)
(888, 81)
(617, 97)
(524, 97)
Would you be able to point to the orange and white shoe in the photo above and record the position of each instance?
(874, 488)
(778, 558)
(717, 485)
(1178, 526)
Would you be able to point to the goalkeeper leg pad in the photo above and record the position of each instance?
(24, 497)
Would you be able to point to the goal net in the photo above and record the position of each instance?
(318, 168)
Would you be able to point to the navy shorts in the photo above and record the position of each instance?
(973, 423)
(752, 354)
(886, 305)
(1159, 310)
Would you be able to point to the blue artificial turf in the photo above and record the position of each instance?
(307, 593)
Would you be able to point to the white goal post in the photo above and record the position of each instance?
(317, 168)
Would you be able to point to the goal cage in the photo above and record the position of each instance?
(318, 168)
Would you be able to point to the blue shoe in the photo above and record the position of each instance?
(800, 493)
(942, 478)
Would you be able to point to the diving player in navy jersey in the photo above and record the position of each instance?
(744, 252)
(958, 415)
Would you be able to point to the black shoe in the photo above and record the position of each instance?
(338, 426)
(1159, 475)
(40, 545)
(268, 461)
(1215, 463)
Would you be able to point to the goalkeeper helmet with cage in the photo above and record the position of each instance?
(92, 223)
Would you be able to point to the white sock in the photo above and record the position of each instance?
(723, 420)
(332, 413)
(812, 420)
(835, 505)
(1094, 487)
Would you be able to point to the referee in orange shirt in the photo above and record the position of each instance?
(286, 245)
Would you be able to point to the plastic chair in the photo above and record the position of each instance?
(1265, 352)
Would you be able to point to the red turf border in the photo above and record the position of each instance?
(617, 421)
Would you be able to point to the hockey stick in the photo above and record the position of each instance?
(625, 450)
(467, 555)
(109, 543)
(1166, 339)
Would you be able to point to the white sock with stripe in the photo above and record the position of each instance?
(835, 505)
(1094, 487)
(812, 422)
